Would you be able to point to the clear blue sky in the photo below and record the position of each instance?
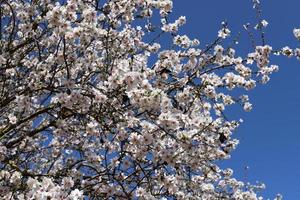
(269, 136)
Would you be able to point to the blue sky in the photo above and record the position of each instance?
(269, 136)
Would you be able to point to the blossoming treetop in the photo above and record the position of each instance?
(92, 106)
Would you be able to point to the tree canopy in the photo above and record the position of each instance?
(94, 105)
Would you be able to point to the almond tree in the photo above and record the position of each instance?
(92, 106)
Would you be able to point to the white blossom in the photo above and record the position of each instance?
(296, 32)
